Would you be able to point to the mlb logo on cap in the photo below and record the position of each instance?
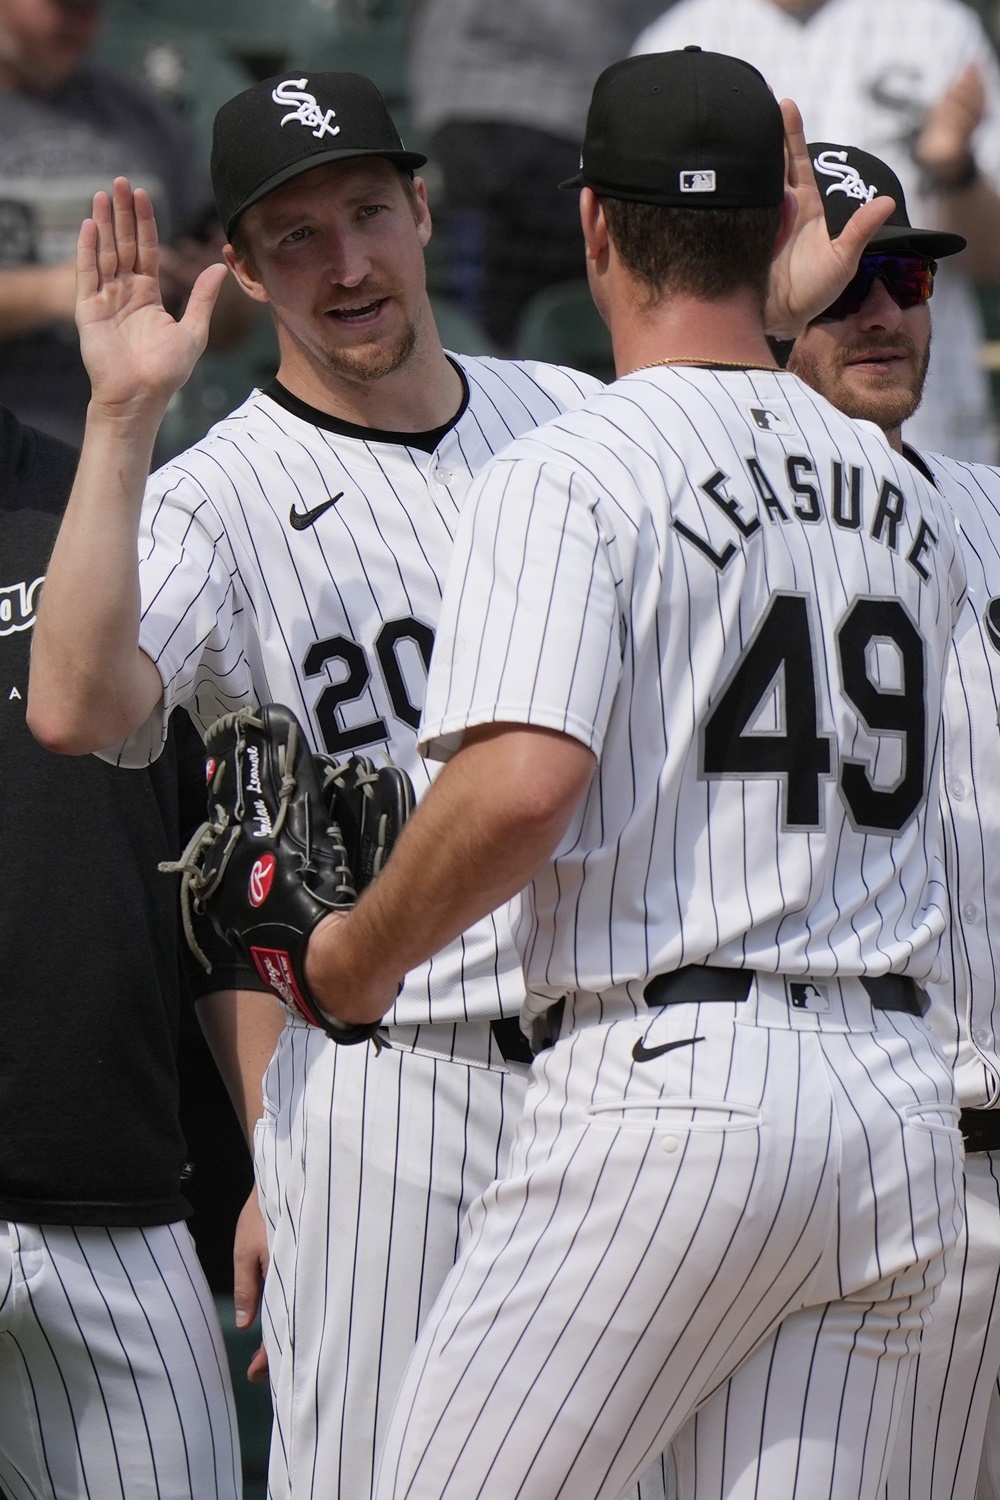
(697, 182)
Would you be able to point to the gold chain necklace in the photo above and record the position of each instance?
(707, 364)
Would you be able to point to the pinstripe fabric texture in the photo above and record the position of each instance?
(615, 592)
(663, 1220)
(867, 72)
(952, 1405)
(366, 1167)
(111, 1335)
(743, 604)
(335, 620)
(302, 561)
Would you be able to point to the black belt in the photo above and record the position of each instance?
(700, 982)
(981, 1128)
(511, 1040)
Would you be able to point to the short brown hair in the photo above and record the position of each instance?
(698, 252)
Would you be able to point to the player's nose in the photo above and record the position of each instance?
(349, 261)
(880, 309)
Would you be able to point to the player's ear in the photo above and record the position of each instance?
(245, 273)
(594, 225)
(421, 212)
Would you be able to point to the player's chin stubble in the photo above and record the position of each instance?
(373, 363)
(888, 399)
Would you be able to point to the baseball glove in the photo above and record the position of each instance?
(290, 837)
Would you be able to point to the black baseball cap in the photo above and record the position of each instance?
(687, 129)
(291, 123)
(847, 178)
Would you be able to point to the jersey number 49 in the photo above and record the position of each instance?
(780, 665)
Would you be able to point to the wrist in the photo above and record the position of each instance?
(346, 986)
(138, 416)
(944, 178)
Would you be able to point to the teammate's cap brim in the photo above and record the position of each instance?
(686, 129)
(848, 177)
(278, 129)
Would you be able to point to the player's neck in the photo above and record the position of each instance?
(729, 331)
(894, 437)
(423, 393)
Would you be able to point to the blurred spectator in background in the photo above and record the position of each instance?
(500, 94)
(67, 128)
(915, 82)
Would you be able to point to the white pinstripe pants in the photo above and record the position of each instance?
(366, 1166)
(113, 1376)
(952, 1401)
(646, 1257)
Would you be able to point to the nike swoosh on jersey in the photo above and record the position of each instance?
(642, 1053)
(300, 519)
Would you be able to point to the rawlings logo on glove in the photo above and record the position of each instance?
(290, 837)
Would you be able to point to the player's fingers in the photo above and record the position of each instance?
(147, 238)
(860, 227)
(204, 293)
(106, 254)
(257, 1368)
(123, 211)
(798, 166)
(87, 279)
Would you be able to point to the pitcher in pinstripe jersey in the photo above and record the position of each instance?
(868, 356)
(688, 678)
(297, 554)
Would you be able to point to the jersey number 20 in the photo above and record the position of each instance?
(780, 658)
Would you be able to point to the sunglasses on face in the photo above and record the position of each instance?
(909, 280)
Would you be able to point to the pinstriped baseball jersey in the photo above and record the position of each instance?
(968, 1012)
(293, 558)
(729, 546)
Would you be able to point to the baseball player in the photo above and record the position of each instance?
(867, 355)
(689, 673)
(297, 554)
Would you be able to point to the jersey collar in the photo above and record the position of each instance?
(426, 441)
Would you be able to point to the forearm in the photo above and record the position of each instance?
(90, 683)
(35, 297)
(242, 1028)
(489, 822)
(974, 211)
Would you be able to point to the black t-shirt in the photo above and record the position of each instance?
(90, 986)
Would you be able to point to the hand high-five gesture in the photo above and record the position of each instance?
(812, 269)
(134, 351)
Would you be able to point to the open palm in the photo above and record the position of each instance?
(133, 349)
(812, 269)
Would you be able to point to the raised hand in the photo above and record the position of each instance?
(135, 352)
(812, 270)
(944, 143)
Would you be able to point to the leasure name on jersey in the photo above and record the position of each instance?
(850, 505)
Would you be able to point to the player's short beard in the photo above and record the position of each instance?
(887, 404)
(355, 366)
(365, 364)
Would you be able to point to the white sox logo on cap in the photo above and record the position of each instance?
(307, 110)
(834, 164)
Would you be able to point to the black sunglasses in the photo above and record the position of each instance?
(909, 280)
